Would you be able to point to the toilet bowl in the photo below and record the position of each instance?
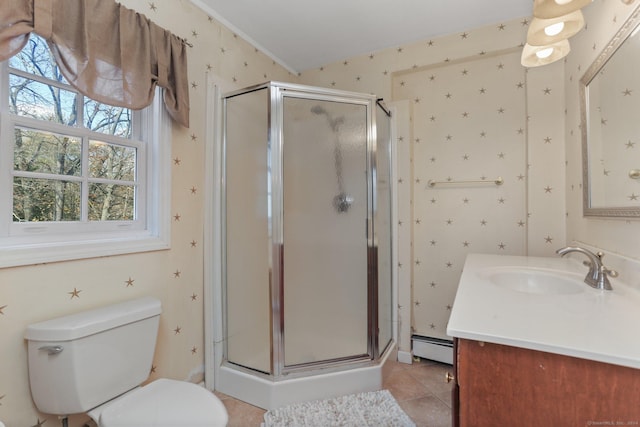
(97, 360)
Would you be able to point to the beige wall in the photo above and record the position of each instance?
(35, 293)
(620, 236)
(466, 124)
(552, 135)
(531, 135)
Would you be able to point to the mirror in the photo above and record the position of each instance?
(610, 114)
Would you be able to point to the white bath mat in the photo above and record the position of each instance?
(370, 409)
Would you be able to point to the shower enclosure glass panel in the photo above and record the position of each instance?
(247, 255)
(306, 231)
(325, 201)
(382, 229)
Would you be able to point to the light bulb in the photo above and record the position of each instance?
(562, 1)
(544, 53)
(554, 29)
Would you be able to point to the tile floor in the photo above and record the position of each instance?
(419, 388)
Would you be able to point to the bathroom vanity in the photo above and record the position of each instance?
(500, 385)
(535, 346)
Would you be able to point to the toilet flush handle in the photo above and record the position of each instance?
(52, 349)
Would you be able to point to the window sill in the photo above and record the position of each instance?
(31, 254)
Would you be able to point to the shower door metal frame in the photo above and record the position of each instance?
(277, 92)
(223, 228)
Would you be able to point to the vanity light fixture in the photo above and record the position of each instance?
(547, 31)
(548, 9)
(535, 56)
(553, 23)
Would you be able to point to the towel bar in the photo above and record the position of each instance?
(497, 181)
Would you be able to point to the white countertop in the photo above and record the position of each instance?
(595, 325)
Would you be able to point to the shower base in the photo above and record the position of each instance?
(270, 394)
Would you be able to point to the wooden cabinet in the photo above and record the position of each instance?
(498, 385)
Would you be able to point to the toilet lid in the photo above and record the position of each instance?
(166, 403)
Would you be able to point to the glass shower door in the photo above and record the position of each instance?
(382, 229)
(247, 232)
(324, 231)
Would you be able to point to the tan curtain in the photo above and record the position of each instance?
(108, 52)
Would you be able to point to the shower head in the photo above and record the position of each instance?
(318, 109)
(333, 122)
(343, 201)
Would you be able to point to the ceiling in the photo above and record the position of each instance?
(305, 34)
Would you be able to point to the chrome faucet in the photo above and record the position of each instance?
(597, 277)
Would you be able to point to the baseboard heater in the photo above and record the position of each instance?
(433, 348)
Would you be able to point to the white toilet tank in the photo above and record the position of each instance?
(80, 361)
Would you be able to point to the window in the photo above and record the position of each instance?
(78, 178)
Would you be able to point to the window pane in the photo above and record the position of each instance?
(109, 161)
(45, 200)
(30, 98)
(46, 152)
(36, 58)
(104, 118)
(111, 202)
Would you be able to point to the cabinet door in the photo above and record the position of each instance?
(455, 390)
(508, 386)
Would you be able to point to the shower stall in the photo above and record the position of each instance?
(307, 303)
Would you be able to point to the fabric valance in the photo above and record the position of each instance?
(108, 52)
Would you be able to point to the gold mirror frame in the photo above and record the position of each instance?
(618, 40)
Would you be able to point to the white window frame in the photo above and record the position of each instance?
(42, 242)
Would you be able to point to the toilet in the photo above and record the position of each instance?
(94, 362)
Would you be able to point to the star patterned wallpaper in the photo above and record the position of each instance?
(534, 144)
(468, 124)
(604, 18)
(614, 130)
(552, 169)
(465, 110)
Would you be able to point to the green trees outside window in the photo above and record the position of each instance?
(74, 159)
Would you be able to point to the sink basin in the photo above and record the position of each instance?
(535, 281)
